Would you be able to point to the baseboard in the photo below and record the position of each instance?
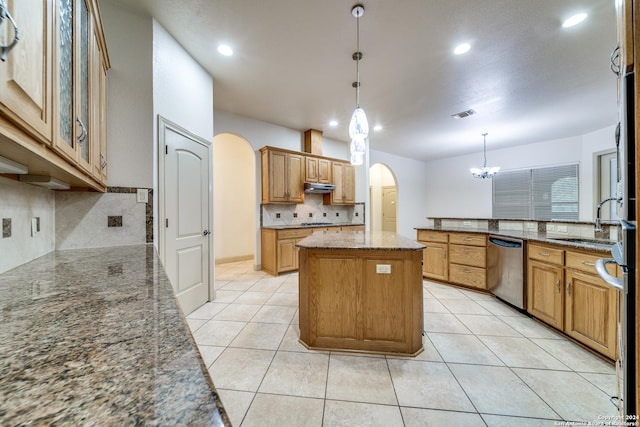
(233, 259)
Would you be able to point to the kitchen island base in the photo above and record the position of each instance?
(362, 300)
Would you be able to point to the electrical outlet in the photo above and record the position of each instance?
(142, 195)
(34, 227)
(383, 268)
(562, 229)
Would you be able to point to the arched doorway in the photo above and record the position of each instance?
(383, 198)
(234, 192)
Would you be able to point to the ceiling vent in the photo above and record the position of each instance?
(463, 114)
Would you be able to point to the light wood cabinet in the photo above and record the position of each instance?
(317, 170)
(278, 248)
(435, 262)
(53, 91)
(565, 292)
(343, 176)
(25, 76)
(468, 260)
(282, 176)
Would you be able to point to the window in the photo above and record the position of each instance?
(540, 194)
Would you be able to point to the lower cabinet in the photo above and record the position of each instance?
(565, 292)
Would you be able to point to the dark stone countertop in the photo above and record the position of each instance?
(96, 337)
(384, 240)
(597, 245)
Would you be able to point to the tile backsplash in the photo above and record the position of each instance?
(312, 210)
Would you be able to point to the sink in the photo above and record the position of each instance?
(603, 243)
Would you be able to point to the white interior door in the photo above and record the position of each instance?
(389, 208)
(185, 208)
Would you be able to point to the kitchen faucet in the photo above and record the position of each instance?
(598, 226)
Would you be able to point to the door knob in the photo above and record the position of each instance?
(206, 232)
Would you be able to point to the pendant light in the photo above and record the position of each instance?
(485, 172)
(358, 127)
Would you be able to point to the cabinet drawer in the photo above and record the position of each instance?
(295, 233)
(587, 263)
(432, 236)
(468, 255)
(468, 239)
(546, 254)
(469, 276)
(352, 228)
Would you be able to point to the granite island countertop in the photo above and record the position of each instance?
(311, 225)
(575, 242)
(373, 240)
(96, 337)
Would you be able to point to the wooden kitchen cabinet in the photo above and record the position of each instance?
(282, 176)
(468, 260)
(545, 299)
(343, 175)
(317, 170)
(53, 97)
(278, 248)
(435, 262)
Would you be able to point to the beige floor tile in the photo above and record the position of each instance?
(210, 353)
(207, 311)
(226, 276)
(283, 298)
(238, 312)
(360, 379)
(487, 325)
(444, 322)
(240, 369)
(218, 332)
(227, 296)
(575, 357)
(447, 293)
(605, 382)
(352, 414)
(268, 410)
(432, 305)
(194, 324)
(570, 395)
(429, 354)
(459, 348)
(252, 276)
(236, 404)
(532, 329)
(264, 286)
(219, 284)
(237, 286)
(289, 287)
(414, 417)
(505, 421)
(497, 390)
(522, 353)
(463, 306)
(297, 374)
(291, 342)
(253, 297)
(499, 308)
(263, 336)
(427, 385)
(275, 314)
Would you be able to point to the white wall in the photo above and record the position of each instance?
(451, 191)
(182, 94)
(411, 180)
(234, 192)
(130, 96)
(21, 203)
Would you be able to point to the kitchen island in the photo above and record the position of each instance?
(361, 291)
(96, 337)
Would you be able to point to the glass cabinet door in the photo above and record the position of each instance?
(65, 76)
(82, 119)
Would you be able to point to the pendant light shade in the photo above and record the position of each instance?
(486, 171)
(358, 126)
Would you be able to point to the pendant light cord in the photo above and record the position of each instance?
(485, 149)
(358, 61)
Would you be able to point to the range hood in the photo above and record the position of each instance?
(314, 187)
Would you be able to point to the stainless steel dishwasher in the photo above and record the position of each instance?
(505, 270)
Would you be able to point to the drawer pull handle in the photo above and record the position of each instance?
(467, 271)
(468, 239)
(467, 250)
(590, 264)
(543, 254)
(569, 288)
(558, 285)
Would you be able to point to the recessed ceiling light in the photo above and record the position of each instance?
(462, 48)
(377, 128)
(333, 123)
(574, 20)
(225, 50)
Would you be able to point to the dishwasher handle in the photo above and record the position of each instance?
(505, 243)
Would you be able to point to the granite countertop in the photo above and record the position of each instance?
(95, 337)
(360, 240)
(310, 225)
(598, 245)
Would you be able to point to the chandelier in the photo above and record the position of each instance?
(485, 172)
(358, 127)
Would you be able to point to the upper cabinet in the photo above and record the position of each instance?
(317, 170)
(344, 178)
(54, 89)
(25, 83)
(282, 176)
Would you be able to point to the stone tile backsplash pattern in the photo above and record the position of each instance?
(312, 210)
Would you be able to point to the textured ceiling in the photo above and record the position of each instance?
(527, 78)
